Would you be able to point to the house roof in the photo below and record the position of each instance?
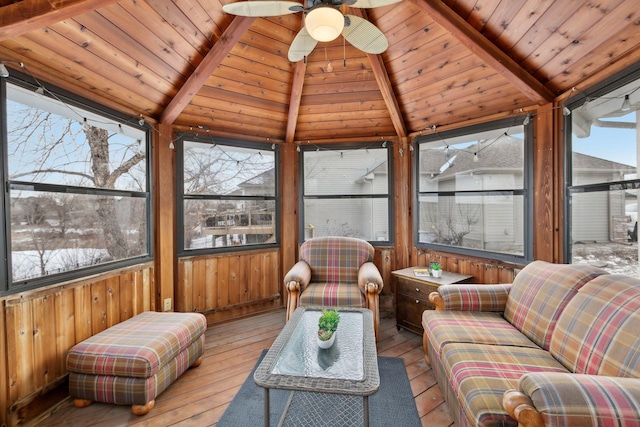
(190, 64)
(501, 154)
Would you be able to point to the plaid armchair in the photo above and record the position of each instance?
(335, 272)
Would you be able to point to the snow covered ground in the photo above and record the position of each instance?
(27, 264)
(613, 257)
(616, 258)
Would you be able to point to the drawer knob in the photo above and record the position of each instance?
(417, 301)
(417, 289)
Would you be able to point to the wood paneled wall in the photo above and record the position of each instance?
(483, 270)
(230, 285)
(39, 327)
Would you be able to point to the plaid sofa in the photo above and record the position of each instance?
(335, 272)
(132, 362)
(560, 346)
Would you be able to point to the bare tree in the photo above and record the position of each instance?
(41, 235)
(210, 169)
(104, 177)
(45, 147)
(452, 221)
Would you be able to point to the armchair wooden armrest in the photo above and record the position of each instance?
(369, 278)
(296, 279)
(370, 283)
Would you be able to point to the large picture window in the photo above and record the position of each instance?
(227, 194)
(472, 189)
(78, 193)
(603, 186)
(346, 191)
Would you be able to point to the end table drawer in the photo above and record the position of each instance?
(409, 312)
(412, 295)
(414, 289)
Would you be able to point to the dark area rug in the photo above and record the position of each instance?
(392, 405)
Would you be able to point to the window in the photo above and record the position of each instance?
(227, 195)
(472, 189)
(346, 191)
(603, 186)
(78, 191)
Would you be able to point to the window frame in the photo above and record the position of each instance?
(181, 197)
(526, 192)
(602, 89)
(388, 145)
(74, 101)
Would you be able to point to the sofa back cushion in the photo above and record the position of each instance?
(539, 294)
(599, 331)
(335, 259)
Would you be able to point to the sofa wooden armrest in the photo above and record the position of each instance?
(573, 400)
(520, 407)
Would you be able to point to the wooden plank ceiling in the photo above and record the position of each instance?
(187, 63)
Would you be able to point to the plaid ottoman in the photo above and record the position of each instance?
(134, 361)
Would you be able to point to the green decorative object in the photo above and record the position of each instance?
(327, 326)
(436, 270)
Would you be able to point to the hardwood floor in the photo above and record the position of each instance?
(200, 396)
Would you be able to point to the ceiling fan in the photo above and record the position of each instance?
(323, 21)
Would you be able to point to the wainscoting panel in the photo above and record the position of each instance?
(41, 326)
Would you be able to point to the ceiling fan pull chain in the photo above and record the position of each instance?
(344, 53)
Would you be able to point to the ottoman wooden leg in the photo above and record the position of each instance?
(143, 409)
(81, 403)
(196, 363)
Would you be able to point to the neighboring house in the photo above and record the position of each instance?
(241, 222)
(357, 173)
(488, 222)
(498, 223)
(497, 220)
(597, 215)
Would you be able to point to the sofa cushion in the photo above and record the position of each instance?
(336, 259)
(599, 331)
(332, 295)
(480, 374)
(157, 339)
(490, 328)
(540, 293)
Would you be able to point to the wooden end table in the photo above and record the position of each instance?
(412, 295)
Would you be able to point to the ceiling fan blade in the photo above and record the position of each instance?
(373, 3)
(301, 46)
(259, 8)
(365, 36)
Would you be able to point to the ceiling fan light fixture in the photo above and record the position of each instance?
(324, 23)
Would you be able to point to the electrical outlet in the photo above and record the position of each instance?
(167, 304)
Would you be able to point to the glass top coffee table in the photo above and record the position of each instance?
(321, 379)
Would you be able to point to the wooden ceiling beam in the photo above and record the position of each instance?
(380, 73)
(294, 102)
(28, 15)
(210, 62)
(487, 51)
(382, 78)
(296, 98)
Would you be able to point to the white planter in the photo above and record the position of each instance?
(436, 273)
(328, 343)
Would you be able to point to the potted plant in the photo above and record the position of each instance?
(436, 270)
(327, 327)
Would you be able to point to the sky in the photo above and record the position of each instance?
(618, 145)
